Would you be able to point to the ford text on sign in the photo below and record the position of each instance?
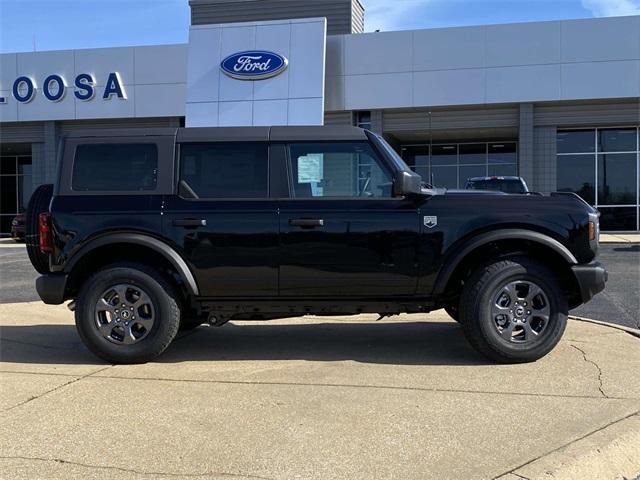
(254, 65)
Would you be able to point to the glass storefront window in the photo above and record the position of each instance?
(469, 171)
(452, 164)
(446, 177)
(576, 173)
(576, 141)
(502, 170)
(617, 179)
(502, 153)
(15, 188)
(473, 154)
(617, 140)
(618, 218)
(609, 179)
(444, 155)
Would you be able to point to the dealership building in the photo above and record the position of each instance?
(557, 102)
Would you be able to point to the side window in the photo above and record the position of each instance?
(125, 167)
(224, 170)
(347, 169)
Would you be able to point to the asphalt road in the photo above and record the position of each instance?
(619, 303)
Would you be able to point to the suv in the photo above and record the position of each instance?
(501, 184)
(149, 232)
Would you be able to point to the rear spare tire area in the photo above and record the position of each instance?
(127, 313)
(513, 310)
(38, 204)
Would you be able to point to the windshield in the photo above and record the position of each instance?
(508, 186)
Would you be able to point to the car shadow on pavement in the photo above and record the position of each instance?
(404, 343)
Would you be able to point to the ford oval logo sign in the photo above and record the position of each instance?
(254, 65)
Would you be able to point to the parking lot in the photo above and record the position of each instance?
(314, 398)
(321, 398)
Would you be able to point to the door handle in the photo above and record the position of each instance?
(190, 222)
(306, 222)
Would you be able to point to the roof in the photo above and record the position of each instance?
(235, 134)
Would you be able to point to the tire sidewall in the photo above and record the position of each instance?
(162, 332)
(557, 318)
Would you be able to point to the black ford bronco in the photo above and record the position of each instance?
(150, 232)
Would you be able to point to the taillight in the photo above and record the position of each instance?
(44, 230)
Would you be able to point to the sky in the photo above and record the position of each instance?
(28, 25)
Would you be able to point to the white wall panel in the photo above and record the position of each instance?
(388, 90)
(42, 109)
(8, 110)
(269, 101)
(448, 48)
(381, 52)
(449, 87)
(8, 70)
(523, 44)
(601, 39)
(39, 65)
(600, 80)
(231, 114)
(270, 112)
(160, 64)
(114, 108)
(202, 80)
(203, 114)
(161, 100)
(523, 84)
(99, 62)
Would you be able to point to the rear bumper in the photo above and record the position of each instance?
(591, 279)
(51, 288)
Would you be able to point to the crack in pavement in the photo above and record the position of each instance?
(35, 397)
(348, 385)
(137, 472)
(584, 356)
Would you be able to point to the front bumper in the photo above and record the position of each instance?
(51, 288)
(591, 278)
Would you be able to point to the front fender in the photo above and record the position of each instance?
(454, 258)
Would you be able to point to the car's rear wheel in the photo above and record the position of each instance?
(514, 310)
(38, 204)
(127, 313)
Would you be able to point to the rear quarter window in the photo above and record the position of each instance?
(112, 167)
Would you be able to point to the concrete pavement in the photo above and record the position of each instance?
(314, 398)
(620, 238)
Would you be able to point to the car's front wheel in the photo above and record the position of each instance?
(513, 310)
(127, 313)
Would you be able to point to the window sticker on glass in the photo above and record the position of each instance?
(310, 168)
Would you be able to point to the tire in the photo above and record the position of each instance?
(506, 331)
(100, 303)
(453, 311)
(38, 204)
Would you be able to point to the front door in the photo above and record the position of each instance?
(222, 219)
(343, 234)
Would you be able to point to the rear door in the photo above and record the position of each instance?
(343, 233)
(222, 220)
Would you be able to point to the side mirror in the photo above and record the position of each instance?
(407, 184)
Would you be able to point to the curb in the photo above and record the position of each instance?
(611, 452)
(633, 331)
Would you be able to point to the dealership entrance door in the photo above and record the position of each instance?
(15, 182)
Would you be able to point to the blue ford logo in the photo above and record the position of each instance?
(254, 65)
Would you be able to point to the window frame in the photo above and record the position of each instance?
(384, 161)
(164, 178)
(178, 167)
